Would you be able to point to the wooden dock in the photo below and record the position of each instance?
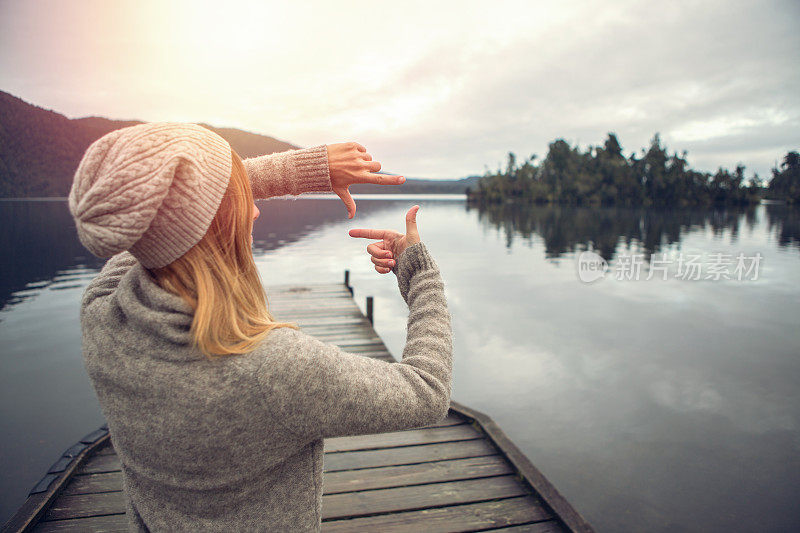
(462, 474)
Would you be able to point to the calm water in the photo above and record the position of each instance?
(652, 405)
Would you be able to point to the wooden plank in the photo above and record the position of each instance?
(431, 518)
(100, 463)
(107, 524)
(352, 318)
(358, 459)
(305, 300)
(360, 332)
(317, 321)
(300, 300)
(349, 334)
(538, 482)
(549, 526)
(318, 314)
(346, 329)
(304, 303)
(354, 325)
(308, 325)
(297, 308)
(313, 306)
(348, 480)
(85, 505)
(399, 499)
(415, 474)
(310, 305)
(348, 504)
(402, 438)
(359, 341)
(308, 318)
(306, 288)
(359, 323)
(469, 517)
(407, 455)
(274, 302)
(302, 296)
(300, 288)
(106, 450)
(92, 483)
(452, 419)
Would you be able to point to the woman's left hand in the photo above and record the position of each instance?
(350, 163)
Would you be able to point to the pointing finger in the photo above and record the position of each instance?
(367, 233)
(386, 179)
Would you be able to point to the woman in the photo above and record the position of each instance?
(216, 410)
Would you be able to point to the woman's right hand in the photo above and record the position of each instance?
(387, 251)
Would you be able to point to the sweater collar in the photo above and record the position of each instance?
(151, 310)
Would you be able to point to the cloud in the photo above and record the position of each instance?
(432, 89)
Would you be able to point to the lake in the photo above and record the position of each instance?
(661, 404)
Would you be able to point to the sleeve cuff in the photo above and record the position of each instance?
(415, 257)
(291, 172)
(313, 173)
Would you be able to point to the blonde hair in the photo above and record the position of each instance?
(218, 278)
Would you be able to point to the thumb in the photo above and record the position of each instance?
(349, 203)
(411, 223)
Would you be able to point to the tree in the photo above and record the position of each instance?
(603, 175)
(785, 183)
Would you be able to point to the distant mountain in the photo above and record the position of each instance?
(40, 151)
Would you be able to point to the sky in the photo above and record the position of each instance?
(432, 89)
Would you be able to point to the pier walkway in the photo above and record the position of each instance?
(461, 474)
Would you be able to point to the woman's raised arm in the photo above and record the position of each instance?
(318, 390)
(324, 168)
(290, 172)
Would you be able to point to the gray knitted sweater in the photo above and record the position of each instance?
(237, 444)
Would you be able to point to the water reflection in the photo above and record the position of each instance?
(565, 229)
(784, 221)
(41, 249)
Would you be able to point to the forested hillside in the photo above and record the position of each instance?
(40, 149)
(604, 175)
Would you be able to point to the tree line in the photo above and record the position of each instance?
(603, 175)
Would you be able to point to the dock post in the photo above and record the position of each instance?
(369, 310)
(347, 281)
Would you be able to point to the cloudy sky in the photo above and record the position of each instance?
(432, 89)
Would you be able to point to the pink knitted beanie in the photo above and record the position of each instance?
(152, 189)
